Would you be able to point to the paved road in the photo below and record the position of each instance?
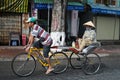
(110, 71)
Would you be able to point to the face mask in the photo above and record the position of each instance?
(88, 28)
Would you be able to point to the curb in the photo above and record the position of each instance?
(8, 52)
(5, 59)
(10, 58)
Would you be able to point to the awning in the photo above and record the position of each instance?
(75, 6)
(45, 4)
(96, 8)
(20, 6)
(103, 9)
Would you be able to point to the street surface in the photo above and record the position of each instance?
(110, 70)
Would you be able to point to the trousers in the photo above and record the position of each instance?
(81, 43)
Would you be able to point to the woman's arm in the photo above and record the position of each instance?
(31, 40)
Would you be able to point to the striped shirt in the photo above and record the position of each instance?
(41, 33)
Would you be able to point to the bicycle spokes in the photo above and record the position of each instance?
(21, 67)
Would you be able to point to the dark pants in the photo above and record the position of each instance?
(46, 48)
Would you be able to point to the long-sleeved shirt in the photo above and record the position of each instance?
(90, 34)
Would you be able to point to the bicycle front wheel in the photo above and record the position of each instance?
(59, 61)
(77, 60)
(22, 65)
(92, 63)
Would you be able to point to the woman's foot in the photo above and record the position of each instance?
(49, 70)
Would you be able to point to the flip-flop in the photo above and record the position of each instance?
(48, 71)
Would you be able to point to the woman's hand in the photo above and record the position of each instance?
(25, 46)
(27, 49)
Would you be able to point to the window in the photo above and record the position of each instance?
(112, 2)
(107, 2)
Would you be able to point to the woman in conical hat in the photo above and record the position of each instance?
(89, 35)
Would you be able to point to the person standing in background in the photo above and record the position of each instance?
(84, 17)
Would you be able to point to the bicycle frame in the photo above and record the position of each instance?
(36, 54)
(21, 68)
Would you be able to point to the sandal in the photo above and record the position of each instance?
(49, 70)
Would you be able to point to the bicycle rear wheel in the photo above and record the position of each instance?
(22, 65)
(77, 60)
(59, 61)
(92, 63)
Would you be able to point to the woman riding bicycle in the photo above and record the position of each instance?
(44, 39)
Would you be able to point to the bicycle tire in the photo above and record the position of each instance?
(77, 60)
(92, 63)
(59, 62)
(22, 65)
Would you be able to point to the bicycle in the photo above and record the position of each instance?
(87, 60)
(24, 64)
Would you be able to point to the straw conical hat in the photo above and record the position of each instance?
(89, 23)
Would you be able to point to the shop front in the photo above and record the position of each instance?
(107, 21)
(11, 20)
(46, 7)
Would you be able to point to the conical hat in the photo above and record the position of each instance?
(89, 23)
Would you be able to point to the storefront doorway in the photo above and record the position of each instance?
(9, 22)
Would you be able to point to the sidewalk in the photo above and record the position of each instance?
(8, 52)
